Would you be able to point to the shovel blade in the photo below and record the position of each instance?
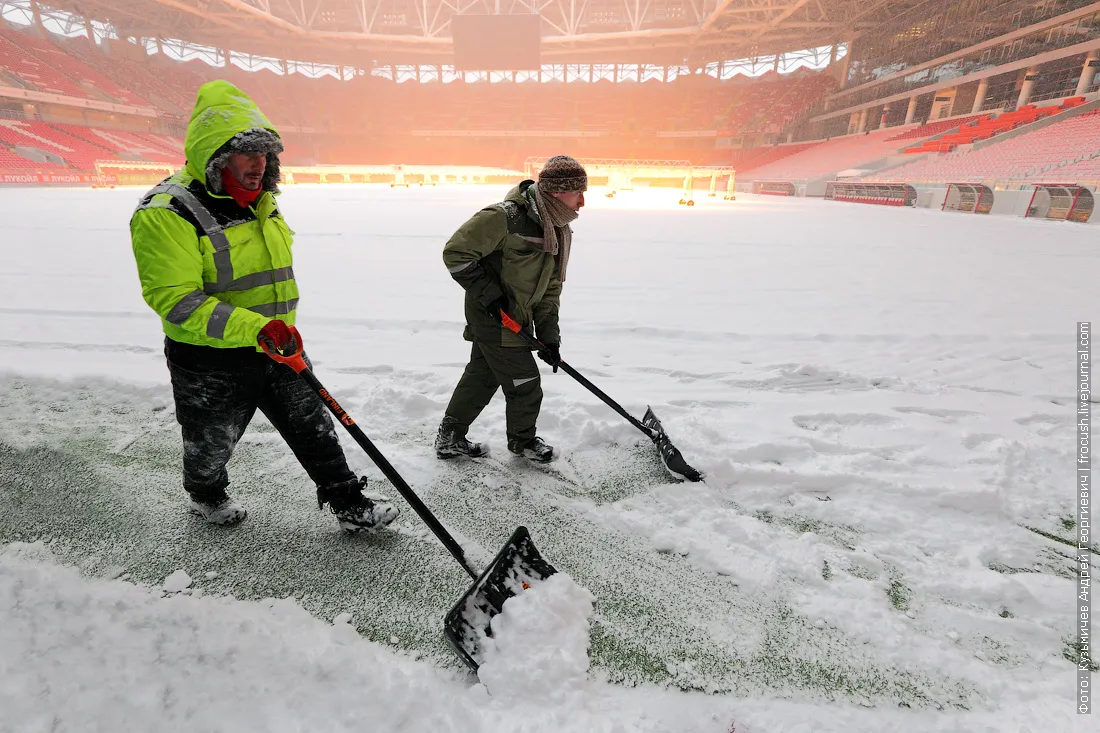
(516, 566)
(670, 456)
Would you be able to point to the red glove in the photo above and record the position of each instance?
(277, 334)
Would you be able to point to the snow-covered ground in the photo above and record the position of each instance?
(882, 401)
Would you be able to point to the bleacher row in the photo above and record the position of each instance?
(78, 147)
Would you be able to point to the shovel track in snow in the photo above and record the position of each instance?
(93, 470)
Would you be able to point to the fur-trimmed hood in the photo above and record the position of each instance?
(226, 121)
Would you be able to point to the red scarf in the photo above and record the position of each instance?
(240, 194)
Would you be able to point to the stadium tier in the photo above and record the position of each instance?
(372, 120)
(1040, 154)
(828, 157)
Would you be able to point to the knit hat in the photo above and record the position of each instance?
(563, 174)
(256, 140)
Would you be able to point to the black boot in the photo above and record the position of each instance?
(356, 511)
(534, 449)
(217, 508)
(450, 442)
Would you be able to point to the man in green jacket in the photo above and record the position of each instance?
(512, 257)
(214, 257)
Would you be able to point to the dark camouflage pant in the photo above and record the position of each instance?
(514, 371)
(217, 391)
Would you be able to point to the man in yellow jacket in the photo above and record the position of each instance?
(214, 257)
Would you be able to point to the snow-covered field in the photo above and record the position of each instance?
(882, 401)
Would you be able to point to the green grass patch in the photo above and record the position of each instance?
(899, 594)
(841, 535)
(1071, 650)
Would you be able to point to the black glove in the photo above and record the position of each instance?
(498, 305)
(551, 355)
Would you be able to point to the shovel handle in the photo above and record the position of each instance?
(512, 325)
(293, 358)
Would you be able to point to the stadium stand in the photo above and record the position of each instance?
(93, 82)
(935, 128)
(123, 144)
(1032, 154)
(373, 120)
(35, 74)
(79, 154)
(601, 119)
(767, 156)
(11, 161)
(1085, 169)
(826, 158)
(147, 85)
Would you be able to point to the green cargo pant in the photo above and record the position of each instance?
(512, 369)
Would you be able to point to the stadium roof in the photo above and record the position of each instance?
(573, 31)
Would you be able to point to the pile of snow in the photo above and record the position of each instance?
(539, 646)
(177, 582)
(85, 654)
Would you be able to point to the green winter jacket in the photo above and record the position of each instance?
(214, 271)
(499, 251)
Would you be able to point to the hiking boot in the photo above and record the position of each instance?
(218, 509)
(355, 510)
(450, 442)
(533, 450)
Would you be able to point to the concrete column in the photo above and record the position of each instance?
(911, 110)
(1087, 72)
(882, 117)
(1025, 90)
(853, 121)
(790, 137)
(832, 55)
(88, 29)
(862, 122)
(778, 58)
(36, 14)
(979, 96)
(841, 69)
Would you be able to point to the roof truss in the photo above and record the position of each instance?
(645, 31)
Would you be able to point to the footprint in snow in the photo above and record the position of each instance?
(840, 421)
(937, 412)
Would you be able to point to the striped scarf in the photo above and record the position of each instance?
(555, 218)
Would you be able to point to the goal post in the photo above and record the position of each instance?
(624, 174)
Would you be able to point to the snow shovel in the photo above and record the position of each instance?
(649, 424)
(516, 566)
